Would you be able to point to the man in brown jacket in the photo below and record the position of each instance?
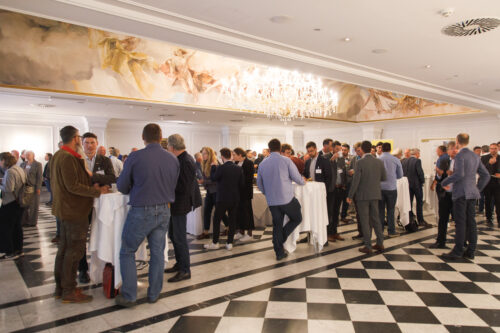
(73, 196)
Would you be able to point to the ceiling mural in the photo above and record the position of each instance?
(38, 53)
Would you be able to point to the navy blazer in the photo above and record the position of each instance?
(230, 181)
(412, 169)
(325, 175)
(467, 165)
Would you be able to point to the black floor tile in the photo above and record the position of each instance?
(481, 277)
(284, 325)
(490, 317)
(246, 309)
(362, 297)
(441, 299)
(394, 285)
(195, 324)
(418, 251)
(351, 273)
(369, 327)
(415, 275)
(288, 295)
(463, 287)
(398, 257)
(468, 329)
(486, 247)
(413, 314)
(377, 265)
(322, 283)
(493, 268)
(436, 266)
(325, 311)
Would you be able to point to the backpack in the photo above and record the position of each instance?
(412, 226)
(26, 193)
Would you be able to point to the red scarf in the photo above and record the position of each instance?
(71, 151)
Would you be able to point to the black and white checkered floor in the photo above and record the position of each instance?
(408, 288)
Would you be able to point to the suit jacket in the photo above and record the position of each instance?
(368, 174)
(492, 169)
(71, 187)
(185, 195)
(467, 165)
(323, 175)
(230, 181)
(412, 169)
(248, 172)
(34, 174)
(103, 172)
(445, 166)
(342, 165)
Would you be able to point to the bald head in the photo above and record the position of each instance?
(101, 150)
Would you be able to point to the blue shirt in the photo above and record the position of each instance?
(275, 177)
(443, 158)
(394, 171)
(149, 176)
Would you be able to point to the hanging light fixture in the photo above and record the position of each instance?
(279, 93)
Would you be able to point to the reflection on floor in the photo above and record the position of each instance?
(408, 288)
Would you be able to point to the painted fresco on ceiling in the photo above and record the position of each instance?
(38, 53)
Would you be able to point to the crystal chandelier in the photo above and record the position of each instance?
(279, 93)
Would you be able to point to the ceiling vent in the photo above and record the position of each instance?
(471, 27)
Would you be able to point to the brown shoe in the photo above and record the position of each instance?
(338, 237)
(379, 248)
(331, 238)
(58, 293)
(55, 240)
(344, 220)
(77, 297)
(202, 236)
(364, 249)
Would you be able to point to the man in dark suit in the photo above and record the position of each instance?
(101, 172)
(230, 182)
(338, 188)
(492, 191)
(365, 188)
(327, 147)
(412, 169)
(465, 192)
(185, 201)
(319, 169)
(245, 210)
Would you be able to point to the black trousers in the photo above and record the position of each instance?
(11, 230)
(210, 199)
(339, 196)
(280, 232)
(245, 215)
(330, 198)
(419, 198)
(491, 201)
(221, 207)
(177, 234)
(445, 209)
(465, 225)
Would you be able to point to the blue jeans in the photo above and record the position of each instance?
(388, 201)
(280, 233)
(464, 211)
(49, 189)
(149, 222)
(58, 227)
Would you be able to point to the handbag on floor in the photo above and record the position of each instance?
(108, 281)
(413, 225)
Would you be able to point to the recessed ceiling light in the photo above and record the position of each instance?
(346, 39)
(46, 106)
(317, 29)
(447, 12)
(497, 90)
(428, 66)
(478, 83)
(236, 120)
(280, 19)
(379, 51)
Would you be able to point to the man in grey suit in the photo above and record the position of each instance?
(33, 171)
(365, 188)
(464, 194)
(412, 169)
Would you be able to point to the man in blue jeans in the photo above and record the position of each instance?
(389, 187)
(274, 180)
(149, 177)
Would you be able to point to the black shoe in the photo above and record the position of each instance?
(152, 301)
(424, 224)
(326, 244)
(358, 236)
(281, 256)
(489, 223)
(468, 256)
(172, 269)
(180, 276)
(83, 277)
(450, 256)
(123, 302)
(437, 246)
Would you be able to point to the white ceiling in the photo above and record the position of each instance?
(465, 70)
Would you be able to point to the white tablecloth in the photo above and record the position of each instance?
(312, 198)
(261, 214)
(110, 212)
(403, 205)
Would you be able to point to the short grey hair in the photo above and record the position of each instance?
(414, 151)
(176, 141)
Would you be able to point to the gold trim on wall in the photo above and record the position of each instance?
(433, 139)
(218, 107)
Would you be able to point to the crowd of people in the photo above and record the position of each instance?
(163, 183)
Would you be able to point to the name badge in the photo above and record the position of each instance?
(100, 172)
(318, 171)
(339, 171)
